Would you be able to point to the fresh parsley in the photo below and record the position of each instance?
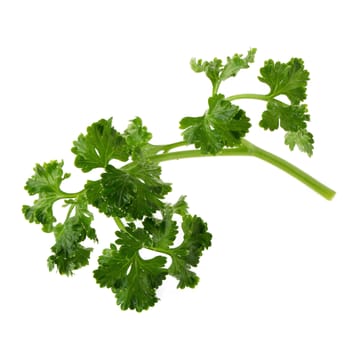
(134, 195)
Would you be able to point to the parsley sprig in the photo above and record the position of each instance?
(134, 195)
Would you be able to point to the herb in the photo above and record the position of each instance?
(134, 195)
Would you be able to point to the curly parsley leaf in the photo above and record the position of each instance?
(137, 138)
(136, 134)
(224, 124)
(47, 178)
(69, 254)
(68, 261)
(134, 279)
(133, 192)
(161, 234)
(187, 254)
(235, 63)
(45, 183)
(288, 117)
(212, 69)
(289, 79)
(82, 218)
(165, 230)
(99, 146)
(217, 72)
(301, 138)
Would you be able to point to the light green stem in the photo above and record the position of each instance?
(248, 149)
(249, 96)
(291, 169)
(170, 146)
(119, 223)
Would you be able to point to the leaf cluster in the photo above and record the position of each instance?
(228, 124)
(288, 79)
(133, 192)
(217, 71)
(133, 278)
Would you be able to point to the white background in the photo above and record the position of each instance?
(278, 273)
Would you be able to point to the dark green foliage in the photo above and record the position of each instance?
(134, 279)
(224, 124)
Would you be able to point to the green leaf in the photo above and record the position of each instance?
(197, 131)
(69, 254)
(301, 138)
(112, 268)
(163, 231)
(45, 182)
(134, 280)
(137, 135)
(137, 138)
(236, 63)
(289, 79)
(133, 192)
(132, 239)
(182, 272)
(47, 178)
(212, 69)
(66, 262)
(180, 207)
(224, 124)
(196, 239)
(99, 146)
(217, 72)
(83, 217)
(187, 254)
(288, 117)
(41, 212)
(138, 290)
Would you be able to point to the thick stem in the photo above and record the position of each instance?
(248, 149)
(195, 153)
(291, 169)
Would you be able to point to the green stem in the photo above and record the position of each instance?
(119, 223)
(216, 88)
(290, 169)
(249, 96)
(72, 206)
(159, 250)
(65, 195)
(170, 146)
(195, 153)
(248, 149)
